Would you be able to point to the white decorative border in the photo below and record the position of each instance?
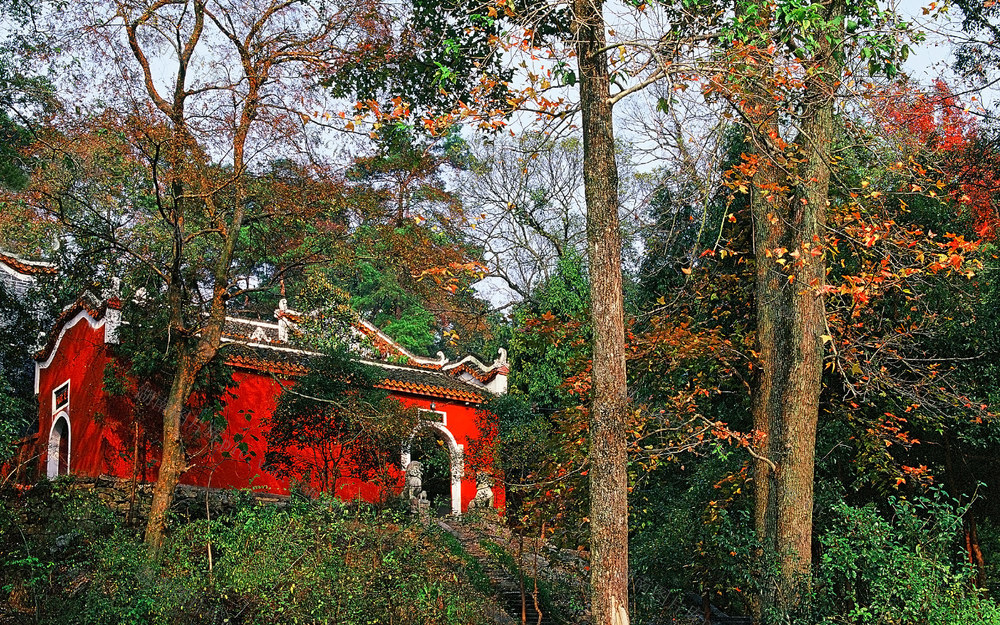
(56, 407)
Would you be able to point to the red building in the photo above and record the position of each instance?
(85, 430)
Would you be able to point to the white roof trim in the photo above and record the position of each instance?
(440, 360)
(253, 322)
(80, 316)
(386, 365)
(276, 348)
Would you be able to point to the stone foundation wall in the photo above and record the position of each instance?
(192, 502)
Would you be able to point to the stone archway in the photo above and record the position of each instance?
(57, 462)
(457, 457)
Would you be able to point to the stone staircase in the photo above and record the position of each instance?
(506, 586)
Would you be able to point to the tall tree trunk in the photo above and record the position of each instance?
(790, 322)
(172, 463)
(199, 347)
(788, 206)
(608, 478)
(190, 362)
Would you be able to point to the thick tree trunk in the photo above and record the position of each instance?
(790, 322)
(193, 354)
(789, 204)
(608, 478)
(172, 463)
(190, 363)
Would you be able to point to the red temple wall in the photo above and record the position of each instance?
(103, 439)
(95, 420)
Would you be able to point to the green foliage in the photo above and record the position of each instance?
(409, 270)
(877, 35)
(549, 342)
(379, 295)
(25, 96)
(313, 561)
(907, 569)
(903, 566)
(692, 532)
(22, 317)
(523, 436)
(15, 415)
(413, 330)
(430, 62)
(48, 537)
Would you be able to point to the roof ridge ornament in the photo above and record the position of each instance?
(286, 317)
(501, 359)
(499, 362)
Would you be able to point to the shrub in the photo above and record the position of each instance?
(314, 561)
(905, 570)
(48, 538)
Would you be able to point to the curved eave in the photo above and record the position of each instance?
(483, 376)
(88, 306)
(259, 365)
(27, 267)
(427, 390)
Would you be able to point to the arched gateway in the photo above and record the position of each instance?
(57, 458)
(456, 455)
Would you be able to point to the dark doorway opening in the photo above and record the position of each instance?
(431, 450)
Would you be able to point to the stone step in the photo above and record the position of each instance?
(506, 587)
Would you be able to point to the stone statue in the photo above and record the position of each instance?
(484, 492)
(413, 481)
(422, 508)
(413, 492)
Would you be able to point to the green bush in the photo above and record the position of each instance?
(314, 561)
(906, 570)
(48, 540)
(692, 534)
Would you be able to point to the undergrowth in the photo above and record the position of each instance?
(65, 558)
